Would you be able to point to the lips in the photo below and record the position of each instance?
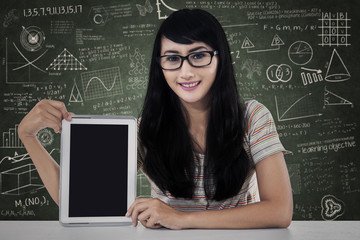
(189, 85)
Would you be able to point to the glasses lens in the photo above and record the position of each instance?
(197, 59)
(200, 59)
(170, 62)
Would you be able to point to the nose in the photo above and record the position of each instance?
(186, 71)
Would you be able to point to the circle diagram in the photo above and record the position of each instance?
(300, 53)
(45, 137)
(279, 73)
(32, 38)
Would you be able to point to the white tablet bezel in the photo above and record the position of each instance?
(65, 169)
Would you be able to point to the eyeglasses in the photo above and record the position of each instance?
(196, 59)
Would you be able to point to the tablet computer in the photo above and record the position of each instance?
(97, 170)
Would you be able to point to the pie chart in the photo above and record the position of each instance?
(300, 53)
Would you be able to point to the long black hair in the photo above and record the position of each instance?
(169, 159)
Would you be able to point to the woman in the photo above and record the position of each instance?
(201, 148)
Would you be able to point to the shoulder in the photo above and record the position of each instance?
(261, 131)
(256, 114)
(252, 106)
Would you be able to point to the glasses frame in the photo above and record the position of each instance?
(212, 54)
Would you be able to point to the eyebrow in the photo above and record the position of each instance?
(191, 50)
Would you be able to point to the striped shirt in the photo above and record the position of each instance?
(261, 141)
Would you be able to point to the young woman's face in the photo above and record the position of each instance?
(191, 84)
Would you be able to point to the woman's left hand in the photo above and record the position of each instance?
(153, 213)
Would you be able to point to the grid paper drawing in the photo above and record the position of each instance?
(101, 83)
(143, 186)
(334, 29)
(66, 61)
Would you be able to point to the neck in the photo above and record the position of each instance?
(197, 117)
(196, 113)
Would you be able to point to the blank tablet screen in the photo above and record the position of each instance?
(98, 170)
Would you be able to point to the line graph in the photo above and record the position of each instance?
(161, 5)
(22, 68)
(28, 62)
(20, 176)
(299, 109)
(101, 83)
(16, 158)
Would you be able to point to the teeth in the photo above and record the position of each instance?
(190, 85)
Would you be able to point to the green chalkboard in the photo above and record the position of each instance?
(299, 58)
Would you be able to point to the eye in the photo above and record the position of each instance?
(172, 58)
(198, 56)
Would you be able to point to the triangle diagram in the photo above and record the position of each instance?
(75, 95)
(277, 41)
(337, 71)
(247, 43)
(66, 61)
(331, 98)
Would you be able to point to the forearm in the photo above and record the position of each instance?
(46, 166)
(264, 214)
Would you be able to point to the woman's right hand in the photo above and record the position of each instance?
(45, 114)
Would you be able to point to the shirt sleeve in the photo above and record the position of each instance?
(263, 138)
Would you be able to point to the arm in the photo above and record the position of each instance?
(45, 114)
(274, 210)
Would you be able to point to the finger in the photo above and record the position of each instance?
(131, 208)
(135, 214)
(152, 222)
(153, 225)
(40, 118)
(144, 223)
(47, 112)
(147, 224)
(144, 216)
(138, 209)
(54, 107)
(156, 226)
(55, 112)
(61, 107)
(53, 122)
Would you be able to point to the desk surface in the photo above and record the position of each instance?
(29, 230)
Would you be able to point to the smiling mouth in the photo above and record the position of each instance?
(190, 85)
